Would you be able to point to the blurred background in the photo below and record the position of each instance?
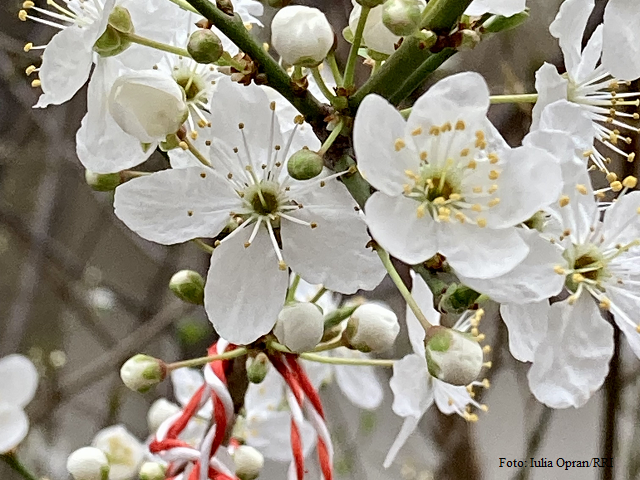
(79, 294)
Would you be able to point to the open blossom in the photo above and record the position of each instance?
(414, 389)
(621, 39)
(448, 183)
(310, 225)
(590, 84)
(18, 381)
(124, 451)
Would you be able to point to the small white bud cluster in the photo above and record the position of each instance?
(141, 372)
(249, 462)
(88, 463)
(152, 471)
(402, 17)
(299, 327)
(453, 357)
(372, 328)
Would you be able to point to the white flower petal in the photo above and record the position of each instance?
(271, 435)
(570, 118)
(530, 281)
(376, 36)
(19, 380)
(379, 160)
(124, 451)
(573, 360)
(394, 224)
(568, 27)
(622, 221)
(625, 305)
(551, 87)
(266, 396)
(173, 206)
(244, 306)
(411, 386)
(481, 252)
(590, 57)
(335, 253)
(621, 41)
(408, 427)
(14, 426)
(360, 385)
(424, 298)
(186, 381)
(450, 398)
(505, 8)
(527, 327)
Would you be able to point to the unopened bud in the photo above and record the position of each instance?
(402, 17)
(453, 357)
(302, 35)
(102, 182)
(188, 286)
(204, 46)
(257, 368)
(249, 462)
(114, 39)
(469, 39)
(141, 372)
(498, 23)
(88, 463)
(152, 471)
(305, 164)
(299, 327)
(372, 328)
(457, 299)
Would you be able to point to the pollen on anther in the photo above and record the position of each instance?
(272, 106)
(477, 189)
(559, 270)
(247, 244)
(494, 175)
(423, 156)
(464, 152)
(446, 127)
(30, 69)
(481, 222)
(399, 144)
(299, 119)
(472, 165)
(616, 186)
(460, 125)
(494, 202)
(630, 182)
(203, 175)
(322, 184)
(184, 145)
(207, 143)
(605, 303)
(493, 158)
(416, 131)
(190, 213)
(476, 207)
(434, 131)
(241, 125)
(564, 200)
(282, 265)
(313, 225)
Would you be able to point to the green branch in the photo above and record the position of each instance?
(234, 28)
(12, 461)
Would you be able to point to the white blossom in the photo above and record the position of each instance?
(506, 8)
(621, 39)
(19, 380)
(88, 463)
(321, 236)
(448, 183)
(299, 327)
(124, 451)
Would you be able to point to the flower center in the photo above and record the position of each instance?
(588, 266)
(191, 83)
(263, 198)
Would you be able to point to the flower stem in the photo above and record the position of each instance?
(526, 98)
(197, 153)
(331, 138)
(207, 248)
(184, 5)
(372, 362)
(402, 288)
(291, 293)
(335, 70)
(197, 362)
(132, 37)
(12, 461)
(226, 60)
(323, 86)
(318, 295)
(337, 343)
(350, 69)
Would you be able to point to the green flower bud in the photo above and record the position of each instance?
(402, 17)
(469, 39)
(299, 327)
(188, 286)
(141, 372)
(453, 357)
(427, 38)
(102, 182)
(114, 39)
(249, 462)
(88, 463)
(152, 471)
(498, 23)
(335, 317)
(372, 328)
(257, 368)
(370, 3)
(305, 164)
(457, 299)
(204, 46)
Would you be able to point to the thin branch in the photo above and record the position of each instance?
(535, 441)
(612, 389)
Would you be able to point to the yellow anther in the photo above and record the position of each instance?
(460, 125)
(460, 217)
(399, 144)
(559, 270)
(484, 408)
(416, 131)
(582, 189)
(30, 69)
(472, 164)
(476, 207)
(486, 348)
(492, 189)
(183, 145)
(446, 127)
(600, 195)
(464, 152)
(469, 388)
(494, 202)
(28, 4)
(298, 119)
(493, 158)
(194, 135)
(22, 15)
(638, 329)
(407, 188)
(420, 211)
(638, 211)
(572, 299)
(486, 383)
(444, 211)
(477, 189)
(247, 244)
(616, 186)
(282, 265)
(480, 134)
(632, 155)
(613, 137)
(265, 46)
(423, 156)
(434, 131)
(577, 277)
(455, 197)
(564, 200)
(474, 332)
(611, 177)
(439, 201)
(248, 26)
(444, 218)
(494, 175)
(412, 175)
(203, 123)
(605, 303)
(36, 83)
(630, 182)
(482, 222)
(28, 47)
(487, 364)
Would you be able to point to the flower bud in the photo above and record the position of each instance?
(249, 462)
(257, 368)
(469, 39)
(141, 372)
(402, 17)
(152, 471)
(372, 328)
(301, 35)
(188, 286)
(102, 182)
(148, 105)
(159, 411)
(88, 463)
(204, 46)
(299, 326)
(453, 357)
(114, 40)
(305, 164)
